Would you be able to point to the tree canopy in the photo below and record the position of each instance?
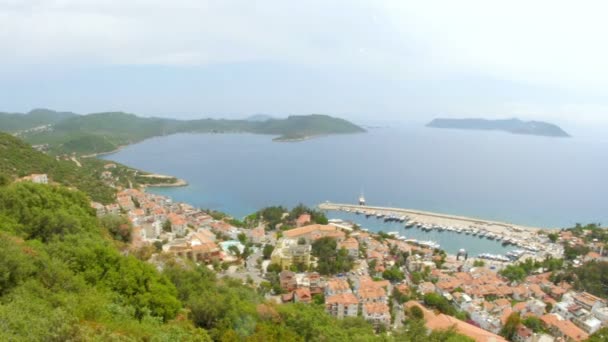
(331, 260)
(510, 327)
(62, 279)
(518, 272)
(591, 276)
(599, 336)
(276, 216)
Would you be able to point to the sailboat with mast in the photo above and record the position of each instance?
(361, 199)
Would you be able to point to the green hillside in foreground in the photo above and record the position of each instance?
(105, 132)
(64, 278)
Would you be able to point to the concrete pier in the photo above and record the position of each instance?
(414, 214)
(523, 236)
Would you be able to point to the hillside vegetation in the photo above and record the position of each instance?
(104, 132)
(18, 159)
(65, 279)
(13, 122)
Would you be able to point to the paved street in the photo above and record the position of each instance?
(249, 268)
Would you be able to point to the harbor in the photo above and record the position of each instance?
(493, 240)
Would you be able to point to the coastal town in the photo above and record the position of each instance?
(303, 171)
(384, 278)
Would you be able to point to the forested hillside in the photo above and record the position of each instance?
(18, 159)
(13, 122)
(63, 279)
(104, 132)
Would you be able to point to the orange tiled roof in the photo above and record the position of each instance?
(376, 308)
(448, 284)
(344, 299)
(303, 219)
(205, 247)
(307, 230)
(593, 255)
(373, 254)
(519, 307)
(523, 332)
(403, 288)
(221, 225)
(350, 243)
(505, 315)
(287, 297)
(338, 284)
(502, 302)
(138, 212)
(303, 293)
(444, 322)
(201, 237)
(427, 286)
(520, 290)
(371, 292)
(176, 219)
(539, 278)
(462, 276)
(536, 289)
(566, 327)
(587, 298)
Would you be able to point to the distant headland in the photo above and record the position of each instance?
(514, 126)
(68, 133)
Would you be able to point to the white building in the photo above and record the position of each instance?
(377, 313)
(342, 305)
(152, 229)
(590, 325)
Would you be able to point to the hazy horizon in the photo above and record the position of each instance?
(364, 61)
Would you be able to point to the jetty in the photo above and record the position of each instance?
(523, 236)
(422, 214)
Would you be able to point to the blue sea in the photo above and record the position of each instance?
(528, 180)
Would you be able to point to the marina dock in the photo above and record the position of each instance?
(423, 214)
(522, 236)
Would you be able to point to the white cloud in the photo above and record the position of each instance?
(557, 44)
(543, 41)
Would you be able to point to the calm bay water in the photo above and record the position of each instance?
(527, 180)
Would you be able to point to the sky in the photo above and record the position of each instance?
(395, 60)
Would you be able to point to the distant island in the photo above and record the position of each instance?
(64, 132)
(514, 126)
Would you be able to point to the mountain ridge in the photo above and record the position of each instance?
(107, 131)
(13, 122)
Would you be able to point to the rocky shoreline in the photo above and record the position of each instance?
(178, 182)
